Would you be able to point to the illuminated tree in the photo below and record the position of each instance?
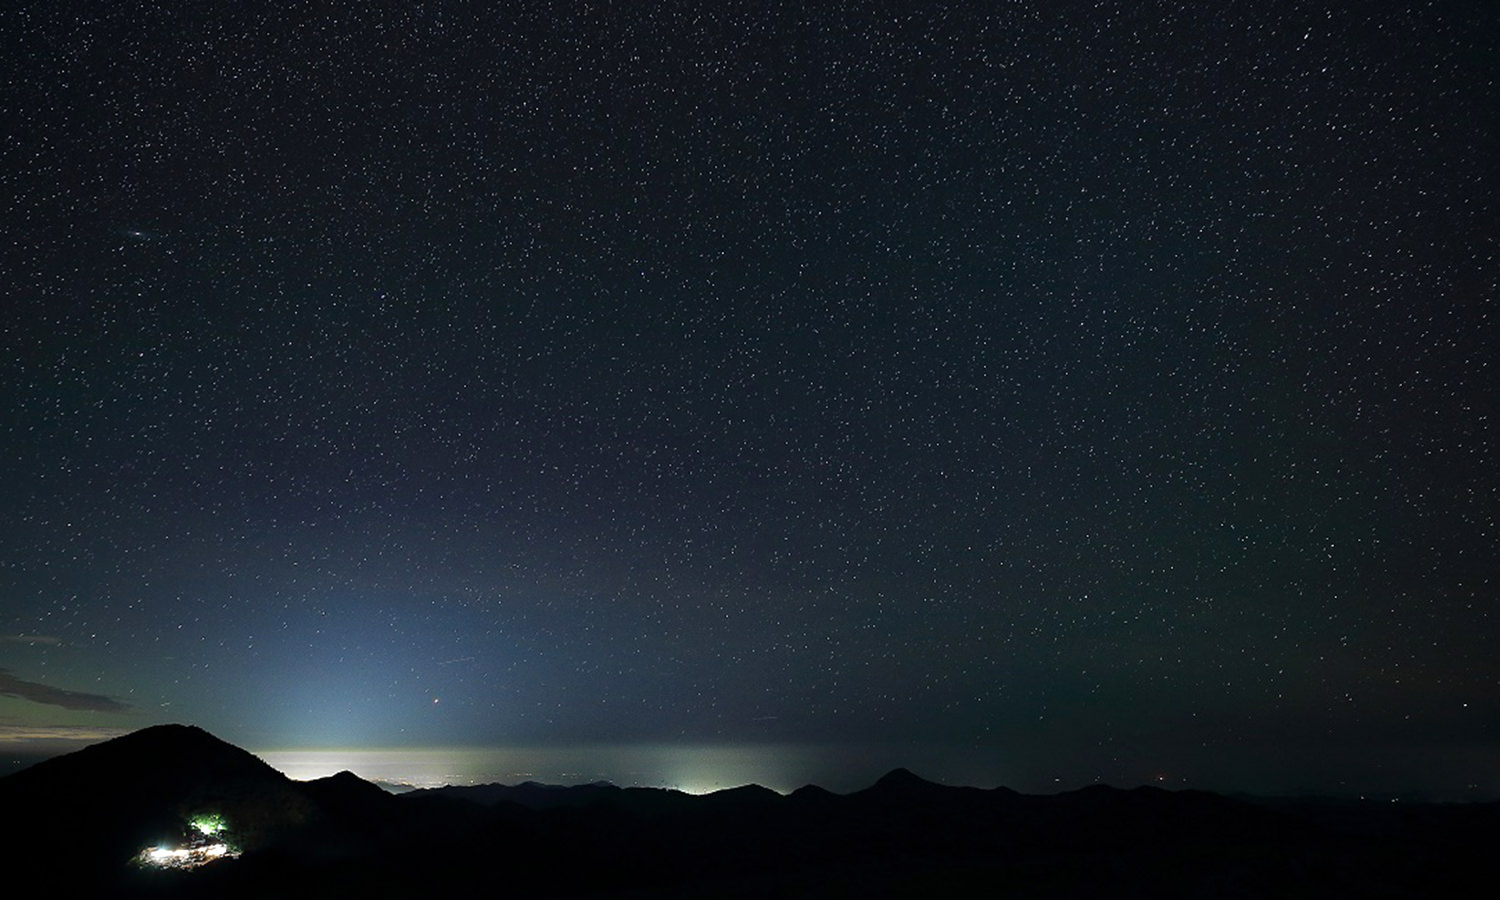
(208, 824)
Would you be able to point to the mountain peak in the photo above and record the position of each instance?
(138, 787)
(902, 779)
(156, 755)
(900, 785)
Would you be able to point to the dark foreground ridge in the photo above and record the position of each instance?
(80, 823)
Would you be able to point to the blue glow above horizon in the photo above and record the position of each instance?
(691, 768)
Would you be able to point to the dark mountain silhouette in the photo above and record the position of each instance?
(113, 799)
(900, 781)
(78, 821)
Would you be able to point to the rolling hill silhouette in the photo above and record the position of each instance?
(80, 821)
(113, 799)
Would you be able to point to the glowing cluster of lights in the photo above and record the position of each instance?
(201, 849)
(185, 857)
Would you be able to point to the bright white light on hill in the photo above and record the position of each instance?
(205, 843)
(185, 857)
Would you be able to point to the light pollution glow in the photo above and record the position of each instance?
(695, 769)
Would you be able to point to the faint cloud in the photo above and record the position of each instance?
(20, 734)
(50, 640)
(11, 686)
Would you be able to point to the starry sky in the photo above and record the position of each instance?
(1104, 384)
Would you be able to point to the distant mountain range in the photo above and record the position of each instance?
(86, 822)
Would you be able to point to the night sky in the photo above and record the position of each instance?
(1106, 389)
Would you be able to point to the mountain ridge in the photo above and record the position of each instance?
(91, 814)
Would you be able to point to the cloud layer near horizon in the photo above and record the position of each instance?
(52, 734)
(11, 686)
